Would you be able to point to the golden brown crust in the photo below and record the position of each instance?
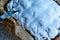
(9, 25)
(3, 4)
(57, 38)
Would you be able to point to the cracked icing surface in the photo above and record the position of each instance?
(40, 17)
